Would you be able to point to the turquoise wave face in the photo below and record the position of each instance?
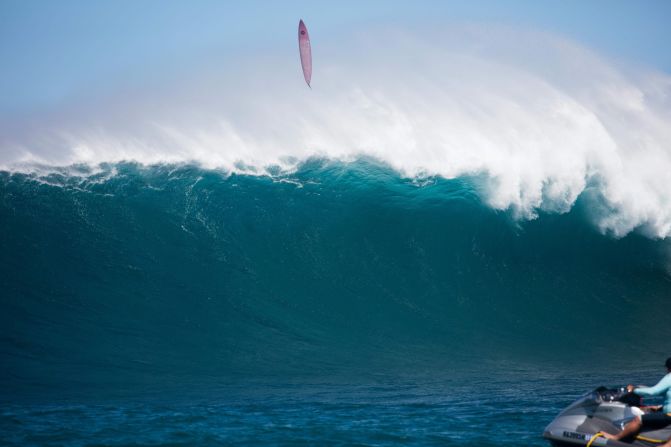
(151, 276)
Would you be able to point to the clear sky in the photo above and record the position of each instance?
(53, 51)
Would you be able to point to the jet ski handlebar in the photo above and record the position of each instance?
(618, 395)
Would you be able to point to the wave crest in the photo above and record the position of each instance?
(540, 119)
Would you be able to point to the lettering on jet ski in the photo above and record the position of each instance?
(574, 435)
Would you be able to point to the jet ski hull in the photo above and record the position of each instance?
(602, 410)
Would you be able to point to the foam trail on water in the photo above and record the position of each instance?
(540, 119)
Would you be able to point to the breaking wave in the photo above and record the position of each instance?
(538, 119)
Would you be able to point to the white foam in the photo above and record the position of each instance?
(541, 118)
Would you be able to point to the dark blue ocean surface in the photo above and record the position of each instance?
(505, 408)
(337, 305)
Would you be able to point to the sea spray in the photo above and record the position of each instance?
(538, 118)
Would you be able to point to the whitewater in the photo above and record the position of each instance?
(540, 118)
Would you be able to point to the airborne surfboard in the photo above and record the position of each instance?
(305, 51)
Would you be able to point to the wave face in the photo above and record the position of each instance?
(150, 276)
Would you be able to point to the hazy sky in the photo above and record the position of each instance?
(54, 51)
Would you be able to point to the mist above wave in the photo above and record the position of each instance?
(542, 120)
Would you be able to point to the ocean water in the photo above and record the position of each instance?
(335, 304)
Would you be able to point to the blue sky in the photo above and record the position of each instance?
(54, 52)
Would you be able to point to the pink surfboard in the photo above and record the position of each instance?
(305, 51)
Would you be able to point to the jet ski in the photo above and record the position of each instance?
(602, 410)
